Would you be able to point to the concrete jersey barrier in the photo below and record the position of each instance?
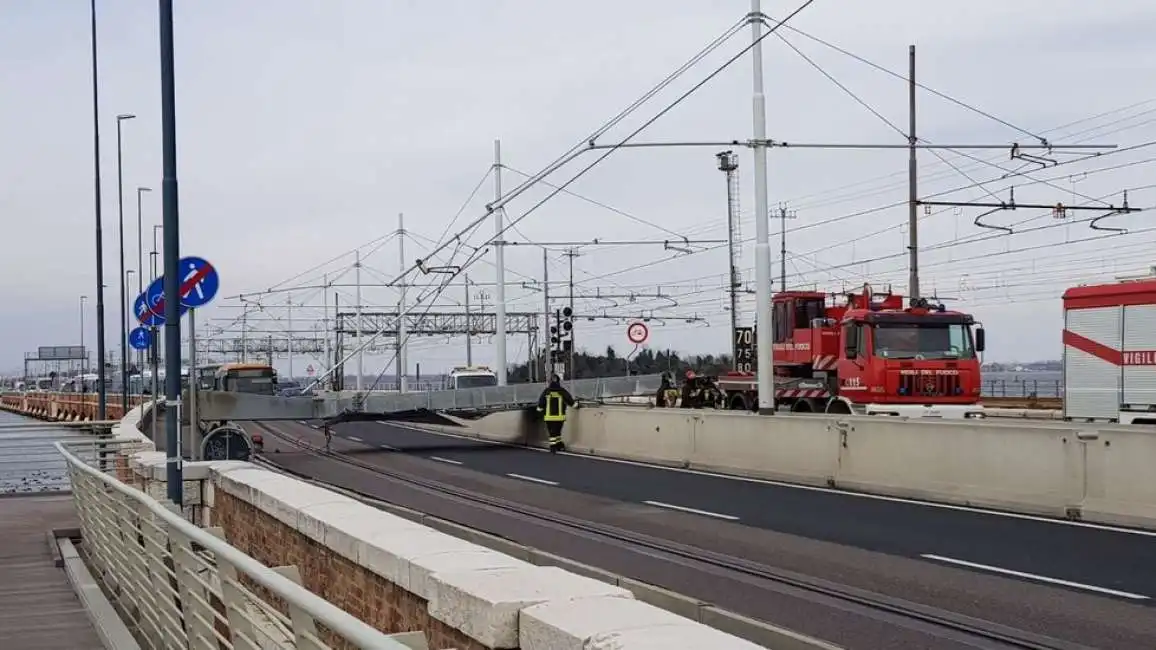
(1099, 474)
(360, 557)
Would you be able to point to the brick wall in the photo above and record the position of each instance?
(353, 588)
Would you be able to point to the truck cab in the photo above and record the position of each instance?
(464, 377)
(919, 361)
(865, 353)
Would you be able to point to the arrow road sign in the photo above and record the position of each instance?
(140, 338)
(201, 280)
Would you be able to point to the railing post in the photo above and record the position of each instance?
(240, 629)
(303, 624)
(195, 607)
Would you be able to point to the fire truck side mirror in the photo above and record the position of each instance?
(980, 342)
(851, 350)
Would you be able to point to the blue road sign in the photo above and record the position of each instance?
(199, 285)
(140, 338)
(199, 282)
(141, 307)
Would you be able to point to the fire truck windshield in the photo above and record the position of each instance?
(923, 341)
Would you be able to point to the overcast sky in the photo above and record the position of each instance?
(305, 128)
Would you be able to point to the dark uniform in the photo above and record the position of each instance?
(552, 403)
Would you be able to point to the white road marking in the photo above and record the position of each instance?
(388, 447)
(811, 488)
(445, 460)
(1033, 576)
(355, 438)
(532, 479)
(694, 511)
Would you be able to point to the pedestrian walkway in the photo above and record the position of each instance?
(38, 608)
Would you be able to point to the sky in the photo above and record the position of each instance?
(305, 128)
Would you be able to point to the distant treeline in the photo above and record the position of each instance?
(646, 362)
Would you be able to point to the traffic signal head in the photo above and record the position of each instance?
(567, 312)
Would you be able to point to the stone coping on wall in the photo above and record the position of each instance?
(494, 599)
(489, 598)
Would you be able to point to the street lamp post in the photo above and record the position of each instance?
(102, 398)
(123, 286)
(140, 256)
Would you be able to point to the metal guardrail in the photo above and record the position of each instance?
(184, 586)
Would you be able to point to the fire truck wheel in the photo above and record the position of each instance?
(738, 403)
(802, 406)
(838, 407)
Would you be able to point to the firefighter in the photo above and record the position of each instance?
(328, 436)
(667, 394)
(552, 403)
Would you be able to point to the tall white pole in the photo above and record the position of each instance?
(766, 369)
(402, 363)
(500, 263)
(289, 302)
(325, 321)
(357, 328)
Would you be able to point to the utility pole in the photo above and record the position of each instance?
(912, 189)
(728, 163)
(469, 326)
(547, 356)
(289, 338)
(763, 325)
(360, 351)
(571, 253)
(244, 329)
(325, 321)
(402, 334)
(784, 214)
(500, 264)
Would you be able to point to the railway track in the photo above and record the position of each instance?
(950, 626)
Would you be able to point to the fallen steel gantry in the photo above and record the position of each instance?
(346, 406)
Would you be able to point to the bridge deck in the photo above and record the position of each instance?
(38, 608)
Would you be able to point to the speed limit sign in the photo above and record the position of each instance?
(637, 333)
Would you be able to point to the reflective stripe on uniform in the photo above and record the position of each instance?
(554, 407)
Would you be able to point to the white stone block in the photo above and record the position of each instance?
(425, 564)
(344, 526)
(570, 624)
(283, 497)
(699, 637)
(387, 553)
(485, 605)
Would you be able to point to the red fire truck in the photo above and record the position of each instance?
(1110, 352)
(865, 353)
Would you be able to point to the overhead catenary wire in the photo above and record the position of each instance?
(646, 124)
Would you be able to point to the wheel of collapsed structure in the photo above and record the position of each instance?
(738, 402)
(836, 406)
(226, 442)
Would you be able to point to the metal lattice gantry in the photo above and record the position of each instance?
(259, 345)
(434, 323)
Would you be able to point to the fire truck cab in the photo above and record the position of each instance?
(865, 353)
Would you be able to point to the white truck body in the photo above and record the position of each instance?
(1110, 353)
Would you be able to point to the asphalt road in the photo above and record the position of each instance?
(865, 547)
(1090, 559)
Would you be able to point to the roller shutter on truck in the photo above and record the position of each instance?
(1109, 350)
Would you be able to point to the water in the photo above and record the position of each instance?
(1023, 384)
(29, 461)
